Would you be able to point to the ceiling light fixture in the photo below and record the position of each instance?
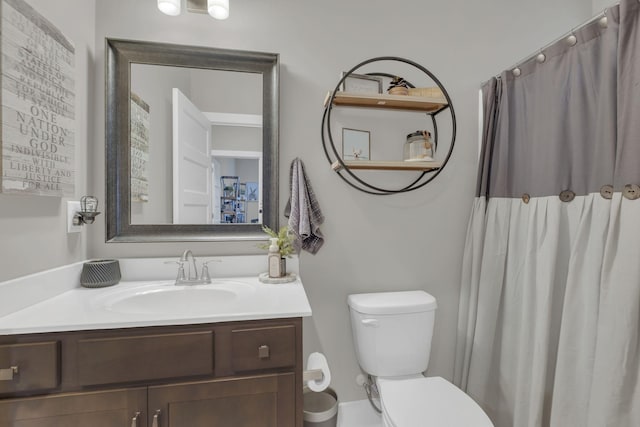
(169, 7)
(218, 9)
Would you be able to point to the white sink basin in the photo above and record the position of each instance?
(221, 296)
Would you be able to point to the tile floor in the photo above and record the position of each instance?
(358, 414)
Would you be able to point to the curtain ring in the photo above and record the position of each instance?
(572, 39)
(541, 57)
(516, 71)
(603, 22)
(567, 195)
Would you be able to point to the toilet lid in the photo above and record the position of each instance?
(429, 402)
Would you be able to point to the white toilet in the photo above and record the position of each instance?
(392, 333)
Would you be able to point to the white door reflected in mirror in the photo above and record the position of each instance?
(192, 195)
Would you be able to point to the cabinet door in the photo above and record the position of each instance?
(115, 408)
(258, 401)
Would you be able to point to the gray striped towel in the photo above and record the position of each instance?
(303, 211)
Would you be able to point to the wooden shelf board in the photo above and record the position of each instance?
(387, 102)
(387, 165)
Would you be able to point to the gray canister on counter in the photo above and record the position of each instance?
(100, 273)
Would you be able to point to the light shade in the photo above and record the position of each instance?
(169, 7)
(218, 9)
(89, 204)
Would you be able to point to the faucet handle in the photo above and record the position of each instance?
(205, 273)
(181, 275)
(205, 270)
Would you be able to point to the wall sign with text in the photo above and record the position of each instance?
(139, 149)
(38, 104)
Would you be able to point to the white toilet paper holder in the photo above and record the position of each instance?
(313, 375)
(317, 376)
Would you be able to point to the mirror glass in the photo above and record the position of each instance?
(191, 142)
(196, 145)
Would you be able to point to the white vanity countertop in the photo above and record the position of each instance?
(140, 303)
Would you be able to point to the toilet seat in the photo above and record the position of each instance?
(425, 402)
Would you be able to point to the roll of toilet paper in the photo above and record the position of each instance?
(318, 361)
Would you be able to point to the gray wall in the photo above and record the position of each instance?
(227, 91)
(373, 243)
(154, 84)
(33, 231)
(236, 138)
(600, 5)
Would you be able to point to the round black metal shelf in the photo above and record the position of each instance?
(351, 178)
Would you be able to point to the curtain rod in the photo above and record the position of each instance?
(568, 36)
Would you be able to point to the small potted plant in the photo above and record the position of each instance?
(398, 86)
(229, 191)
(285, 244)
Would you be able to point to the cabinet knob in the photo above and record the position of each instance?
(8, 373)
(134, 420)
(156, 419)
(263, 352)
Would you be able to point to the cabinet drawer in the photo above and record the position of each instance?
(263, 348)
(144, 358)
(38, 367)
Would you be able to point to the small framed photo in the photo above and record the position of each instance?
(252, 191)
(361, 83)
(355, 144)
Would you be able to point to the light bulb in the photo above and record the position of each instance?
(89, 204)
(169, 7)
(218, 9)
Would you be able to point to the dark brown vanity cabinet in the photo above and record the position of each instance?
(241, 374)
(96, 409)
(265, 400)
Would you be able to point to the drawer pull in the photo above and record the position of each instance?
(134, 420)
(8, 373)
(263, 352)
(156, 419)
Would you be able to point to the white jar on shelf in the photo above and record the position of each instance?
(419, 147)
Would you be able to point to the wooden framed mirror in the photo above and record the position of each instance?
(170, 109)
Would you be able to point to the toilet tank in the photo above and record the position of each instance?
(392, 331)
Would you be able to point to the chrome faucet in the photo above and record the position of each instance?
(193, 274)
(192, 277)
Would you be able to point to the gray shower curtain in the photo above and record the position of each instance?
(549, 321)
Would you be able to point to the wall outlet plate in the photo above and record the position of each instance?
(72, 208)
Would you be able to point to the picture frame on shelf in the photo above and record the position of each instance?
(356, 144)
(252, 191)
(361, 83)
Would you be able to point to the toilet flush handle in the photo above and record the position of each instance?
(373, 323)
